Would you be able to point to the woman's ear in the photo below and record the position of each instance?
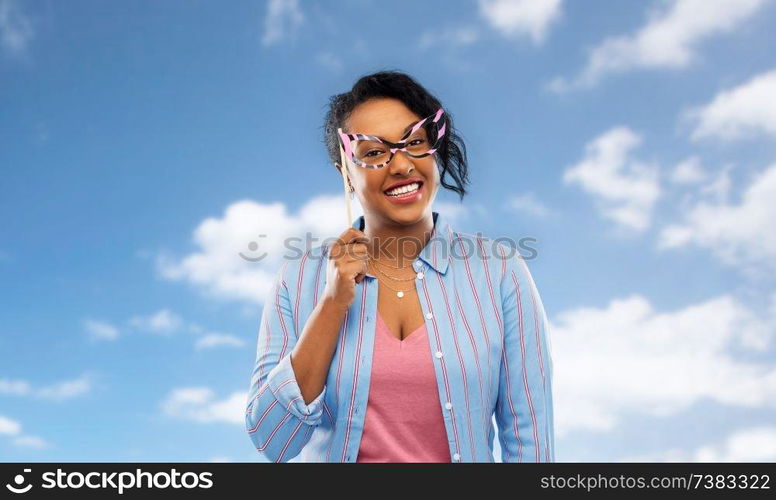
(339, 170)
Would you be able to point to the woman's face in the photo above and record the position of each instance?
(388, 118)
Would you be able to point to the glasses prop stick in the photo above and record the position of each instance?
(345, 182)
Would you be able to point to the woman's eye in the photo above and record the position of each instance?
(416, 142)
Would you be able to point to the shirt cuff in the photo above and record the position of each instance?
(282, 383)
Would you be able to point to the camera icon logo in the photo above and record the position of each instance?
(19, 480)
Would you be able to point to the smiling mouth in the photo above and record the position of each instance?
(405, 190)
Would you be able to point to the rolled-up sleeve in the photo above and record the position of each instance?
(524, 410)
(282, 383)
(277, 419)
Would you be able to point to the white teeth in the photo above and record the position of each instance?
(408, 188)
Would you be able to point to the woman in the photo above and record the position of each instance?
(416, 334)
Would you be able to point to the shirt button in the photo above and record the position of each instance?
(456, 457)
(420, 275)
(429, 315)
(438, 354)
(448, 405)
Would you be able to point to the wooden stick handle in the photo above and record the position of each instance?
(345, 184)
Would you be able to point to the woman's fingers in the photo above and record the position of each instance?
(352, 235)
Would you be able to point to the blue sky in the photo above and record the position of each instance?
(145, 144)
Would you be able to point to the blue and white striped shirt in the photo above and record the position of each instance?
(489, 341)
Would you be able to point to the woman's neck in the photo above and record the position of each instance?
(397, 244)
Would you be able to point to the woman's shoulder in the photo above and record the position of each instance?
(298, 266)
(482, 246)
(488, 243)
(498, 255)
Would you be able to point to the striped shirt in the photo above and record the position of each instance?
(488, 335)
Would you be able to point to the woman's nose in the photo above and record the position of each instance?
(401, 163)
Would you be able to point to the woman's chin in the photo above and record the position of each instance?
(407, 215)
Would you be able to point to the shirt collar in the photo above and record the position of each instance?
(436, 253)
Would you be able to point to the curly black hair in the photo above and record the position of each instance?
(451, 154)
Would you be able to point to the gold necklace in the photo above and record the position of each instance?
(394, 277)
(399, 293)
(388, 265)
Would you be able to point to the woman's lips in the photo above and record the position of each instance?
(407, 197)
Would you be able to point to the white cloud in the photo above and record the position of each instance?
(748, 445)
(718, 187)
(329, 61)
(688, 171)
(58, 391)
(101, 330)
(627, 358)
(15, 28)
(528, 203)
(30, 442)
(756, 444)
(15, 387)
(66, 389)
(163, 321)
(453, 211)
(625, 189)
(737, 233)
(199, 404)
(283, 18)
(669, 39)
(513, 18)
(9, 427)
(745, 111)
(253, 230)
(218, 339)
(13, 428)
(460, 36)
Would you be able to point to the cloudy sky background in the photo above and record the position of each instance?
(143, 145)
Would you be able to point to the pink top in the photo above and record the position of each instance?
(403, 421)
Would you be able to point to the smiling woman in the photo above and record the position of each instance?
(470, 338)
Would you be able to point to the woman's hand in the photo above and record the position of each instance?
(347, 266)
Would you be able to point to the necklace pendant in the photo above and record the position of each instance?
(400, 294)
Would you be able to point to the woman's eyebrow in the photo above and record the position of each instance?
(408, 127)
